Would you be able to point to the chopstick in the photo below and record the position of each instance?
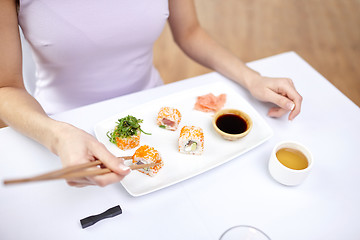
(76, 171)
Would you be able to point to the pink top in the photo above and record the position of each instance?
(89, 50)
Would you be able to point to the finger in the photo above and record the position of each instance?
(110, 161)
(106, 179)
(297, 109)
(288, 89)
(100, 180)
(276, 112)
(79, 182)
(82, 181)
(281, 100)
(75, 184)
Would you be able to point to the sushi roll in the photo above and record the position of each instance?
(130, 142)
(126, 134)
(146, 155)
(191, 140)
(168, 118)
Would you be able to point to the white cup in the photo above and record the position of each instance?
(285, 175)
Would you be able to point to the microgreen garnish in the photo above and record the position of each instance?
(125, 127)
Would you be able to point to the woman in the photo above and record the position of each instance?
(88, 50)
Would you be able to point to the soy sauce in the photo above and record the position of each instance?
(231, 123)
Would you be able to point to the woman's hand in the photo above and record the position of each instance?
(280, 91)
(199, 46)
(75, 146)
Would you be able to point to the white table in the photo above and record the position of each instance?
(325, 206)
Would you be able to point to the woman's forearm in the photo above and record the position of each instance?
(19, 109)
(198, 45)
(22, 112)
(203, 49)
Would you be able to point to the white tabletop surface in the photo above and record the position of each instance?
(241, 191)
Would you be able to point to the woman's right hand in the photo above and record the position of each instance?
(75, 146)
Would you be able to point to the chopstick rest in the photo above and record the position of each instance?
(91, 220)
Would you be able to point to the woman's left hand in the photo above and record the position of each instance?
(198, 45)
(280, 91)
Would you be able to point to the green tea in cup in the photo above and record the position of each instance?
(292, 158)
(290, 163)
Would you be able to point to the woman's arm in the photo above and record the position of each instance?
(199, 46)
(15, 102)
(22, 112)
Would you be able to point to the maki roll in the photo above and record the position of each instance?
(191, 140)
(168, 118)
(126, 134)
(129, 142)
(146, 155)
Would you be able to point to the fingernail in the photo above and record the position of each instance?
(123, 167)
(290, 119)
(290, 106)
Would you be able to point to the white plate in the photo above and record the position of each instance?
(177, 166)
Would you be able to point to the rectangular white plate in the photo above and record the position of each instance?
(177, 166)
